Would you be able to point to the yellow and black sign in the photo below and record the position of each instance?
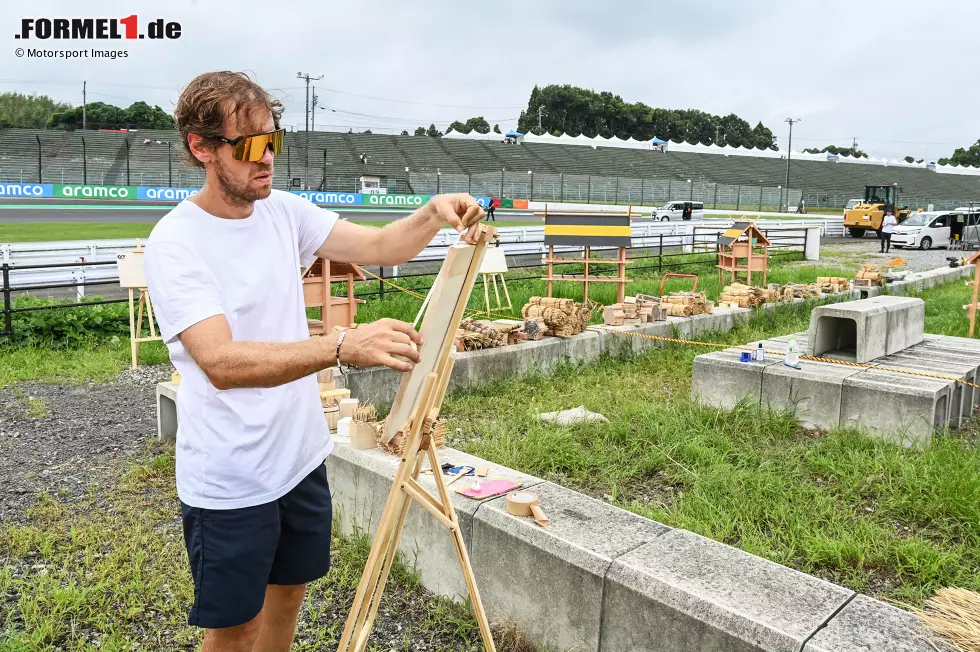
(588, 230)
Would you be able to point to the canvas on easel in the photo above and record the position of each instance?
(132, 276)
(413, 413)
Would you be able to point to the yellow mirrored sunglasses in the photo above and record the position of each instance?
(252, 148)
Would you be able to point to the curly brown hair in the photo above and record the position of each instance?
(202, 107)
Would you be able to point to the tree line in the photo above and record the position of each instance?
(21, 111)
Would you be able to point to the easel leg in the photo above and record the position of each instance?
(357, 629)
(486, 291)
(149, 314)
(503, 282)
(496, 290)
(132, 329)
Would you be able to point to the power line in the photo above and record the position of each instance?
(448, 106)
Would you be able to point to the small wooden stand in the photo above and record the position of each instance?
(743, 248)
(334, 310)
(132, 276)
(494, 267)
(414, 412)
(136, 323)
(586, 278)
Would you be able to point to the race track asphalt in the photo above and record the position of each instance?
(70, 210)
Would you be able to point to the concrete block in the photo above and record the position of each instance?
(812, 393)
(360, 481)
(901, 409)
(860, 331)
(721, 380)
(166, 396)
(550, 579)
(685, 592)
(868, 625)
(941, 364)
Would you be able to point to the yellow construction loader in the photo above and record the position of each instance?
(867, 215)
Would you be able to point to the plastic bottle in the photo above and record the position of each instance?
(792, 353)
(760, 354)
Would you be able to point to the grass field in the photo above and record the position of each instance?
(53, 231)
(109, 572)
(893, 523)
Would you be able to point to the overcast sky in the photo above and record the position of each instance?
(900, 76)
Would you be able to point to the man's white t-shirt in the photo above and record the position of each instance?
(888, 224)
(239, 447)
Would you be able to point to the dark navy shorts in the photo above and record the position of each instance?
(236, 553)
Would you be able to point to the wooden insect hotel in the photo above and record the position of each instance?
(743, 248)
(334, 310)
(587, 231)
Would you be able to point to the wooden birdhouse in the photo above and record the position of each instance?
(334, 310)
(743, 248)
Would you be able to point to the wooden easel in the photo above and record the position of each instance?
(131, 275)
(136, 323)
(494, 267)
(415, 410)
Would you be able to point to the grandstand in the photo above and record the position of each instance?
(420, 164)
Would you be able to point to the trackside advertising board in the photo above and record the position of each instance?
(156, 193)
(27, 190)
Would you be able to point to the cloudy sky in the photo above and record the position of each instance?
(899, 76)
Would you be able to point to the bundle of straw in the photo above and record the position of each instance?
(954, 614)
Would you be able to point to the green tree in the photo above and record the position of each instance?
(19, 111)
(840, 151)
(404, 132)
(100, 115)
(496, 129)
(432, 132)
(420, 131)
(572, 110)
(458, 127)
(963, 156)
(479, 125)
(909, 159)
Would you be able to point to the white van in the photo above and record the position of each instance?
(675, 210)
(930, 229)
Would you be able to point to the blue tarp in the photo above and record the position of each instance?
(514, 134)
(657, 141)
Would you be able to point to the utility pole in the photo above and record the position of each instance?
(854, 144)
(306, 167)
(84, 106)
(540, 114)
(789, 155)
(313, 116)
(717, 131)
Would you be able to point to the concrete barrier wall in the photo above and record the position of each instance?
(378, 386)
(599, 578)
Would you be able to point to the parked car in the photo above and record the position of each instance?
(936, 229)
(679, 210)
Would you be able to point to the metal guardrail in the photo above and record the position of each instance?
(63, 265)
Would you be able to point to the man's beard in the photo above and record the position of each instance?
(238, 194)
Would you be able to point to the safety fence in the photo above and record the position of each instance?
(667, 248)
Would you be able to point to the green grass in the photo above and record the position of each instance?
(97, 360)
(109, 572)
(877, 518)
(52, 231)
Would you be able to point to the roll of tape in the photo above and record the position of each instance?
(519, 503)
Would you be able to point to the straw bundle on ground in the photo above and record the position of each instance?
(954, 614)
(563, 317)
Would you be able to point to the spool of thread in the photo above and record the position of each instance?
(347, 407)
(523, 503)
(332, 413)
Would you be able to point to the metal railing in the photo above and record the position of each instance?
(672, 249)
